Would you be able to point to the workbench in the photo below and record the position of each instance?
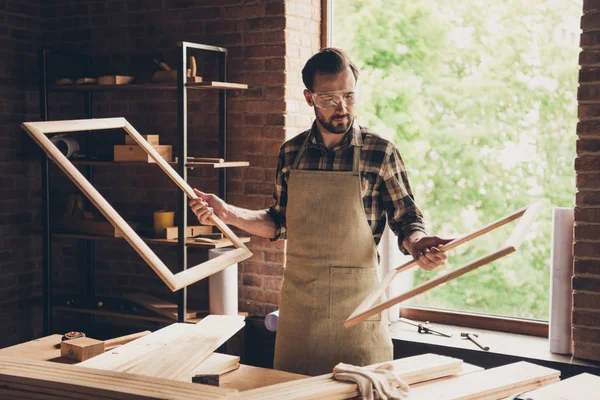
(246, 377)
(256, 383)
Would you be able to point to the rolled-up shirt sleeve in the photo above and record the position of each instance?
(404, 216)
(277, 210)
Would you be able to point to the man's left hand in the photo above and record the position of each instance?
(426, 250)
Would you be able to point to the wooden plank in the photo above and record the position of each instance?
(124, 354)
(527, 215)
(580, 387)
(173, 351)
(491, 384)
(411, 370)
(248, 377)
(46, 377)
(42, 349)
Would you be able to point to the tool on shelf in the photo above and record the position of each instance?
(472, 337)
(424, 327)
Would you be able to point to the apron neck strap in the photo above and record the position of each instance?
(355, 156)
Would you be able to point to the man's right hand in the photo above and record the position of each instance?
(207, 205)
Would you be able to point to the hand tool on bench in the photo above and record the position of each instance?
(424, 327)
(83, 348)
(472, 337)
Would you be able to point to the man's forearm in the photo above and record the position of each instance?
(255, 222)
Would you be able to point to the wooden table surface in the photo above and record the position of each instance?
(245, 378)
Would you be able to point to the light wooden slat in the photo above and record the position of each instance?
(171, 361)
(580, 387)
(173, 351)
(75, 125)
(411, 370)
(131, 351)
(367, 308)
(43, 376)
(491, 384)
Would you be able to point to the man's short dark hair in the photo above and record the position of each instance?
(328, 61)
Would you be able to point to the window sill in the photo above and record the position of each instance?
(504, 348)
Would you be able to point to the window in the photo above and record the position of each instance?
(480, 98)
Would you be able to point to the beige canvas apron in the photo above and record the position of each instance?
(331, 266)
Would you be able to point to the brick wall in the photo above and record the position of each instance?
(268, 43)
(20, 251)
(586, 279)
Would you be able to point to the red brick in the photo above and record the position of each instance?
(588, 146)
(586, 318)
(587, 232)
(265, 79)
(588, 181)
(252, 280)
(263, 107)
(588, 111)
(586, 351)
(275, 93)
(587, 249)
(589, 58)
(586, 300)
(251, 307)
(253, 174)
(590, 21)
(587, 163)
(265, 51)
(275, 8)
(275, 64)
(587, 284)
(254, 38)
(249, 11)
(587, 215)
(589, 75)
(586, 335)
(266, 23)
(590, 6)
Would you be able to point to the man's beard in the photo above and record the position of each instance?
(336, 128)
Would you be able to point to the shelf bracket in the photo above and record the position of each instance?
(38, 132)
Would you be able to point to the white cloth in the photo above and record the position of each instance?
(380, 383)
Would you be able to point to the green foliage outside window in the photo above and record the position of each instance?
(480, 97)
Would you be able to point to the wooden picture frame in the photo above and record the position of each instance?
(526, 215)
(38, 132)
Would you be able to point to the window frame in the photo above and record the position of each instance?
(436, 315)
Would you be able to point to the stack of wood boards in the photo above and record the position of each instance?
(580, 387)
(493, 384)
(30, 379)
(411, 369)
(175, 352)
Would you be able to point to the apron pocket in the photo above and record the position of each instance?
(348, 287)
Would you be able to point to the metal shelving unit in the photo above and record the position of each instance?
(181, 165)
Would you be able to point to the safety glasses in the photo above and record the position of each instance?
(332, 99)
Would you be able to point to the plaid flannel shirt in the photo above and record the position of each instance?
(385, 188)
